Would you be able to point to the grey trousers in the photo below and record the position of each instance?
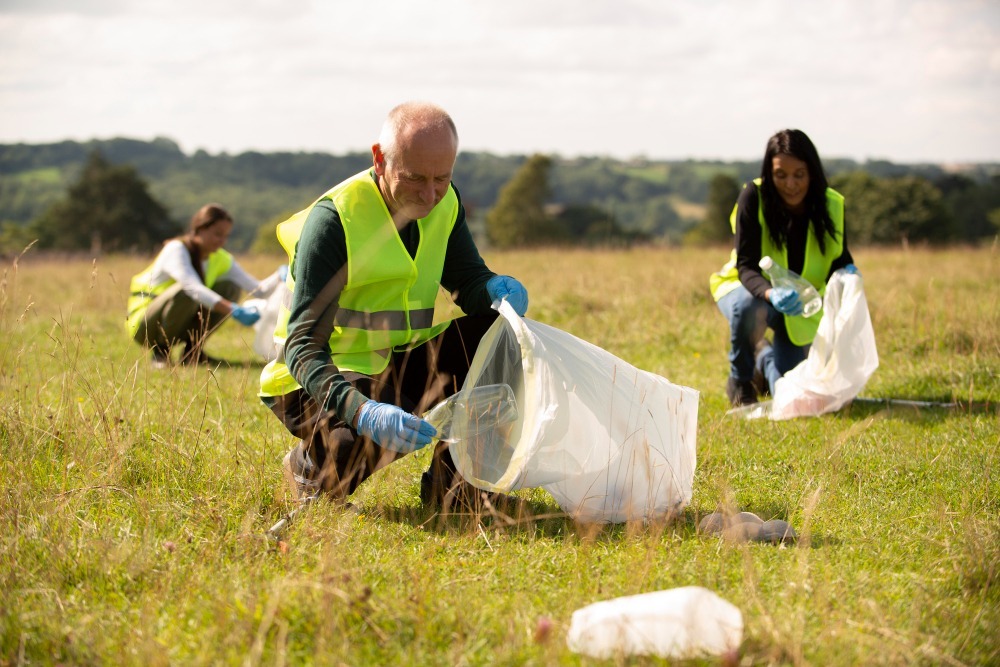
(174, 317)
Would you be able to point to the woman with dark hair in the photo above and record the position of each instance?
(191, 286)
(793, 216)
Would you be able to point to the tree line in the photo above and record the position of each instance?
(124, 195)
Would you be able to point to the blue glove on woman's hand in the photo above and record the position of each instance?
(394, 428)
(505, 287)
(786, 300)
(245, 316)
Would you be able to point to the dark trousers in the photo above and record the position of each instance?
(174, 317)
(332, 453)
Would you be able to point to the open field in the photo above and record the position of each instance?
(134, 502)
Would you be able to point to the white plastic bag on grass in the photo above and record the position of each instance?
(609, 441)
(841, 360)
(680, 623)
(263, 341)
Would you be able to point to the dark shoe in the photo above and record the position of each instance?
(760, 383)
(159, 358)
(740, 392)
(300, 475)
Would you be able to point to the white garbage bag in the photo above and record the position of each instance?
(679, 623)
(610, 442)
(263, 341)
(841, 360)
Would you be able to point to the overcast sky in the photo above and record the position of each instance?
(904, 80)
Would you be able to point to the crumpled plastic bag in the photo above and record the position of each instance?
(678, 623)
(268, 305)
(609, 441)
(840, 362)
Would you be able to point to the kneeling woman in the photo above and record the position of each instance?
(191, 286)
(791, 215)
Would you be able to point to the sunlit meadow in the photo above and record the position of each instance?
(134, 502)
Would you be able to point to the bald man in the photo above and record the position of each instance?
(363, 350)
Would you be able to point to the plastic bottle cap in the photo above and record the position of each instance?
(766, 263)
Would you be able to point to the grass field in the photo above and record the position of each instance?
(134, 502)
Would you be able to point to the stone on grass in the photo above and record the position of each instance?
(745, 527)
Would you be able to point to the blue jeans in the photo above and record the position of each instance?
(748, 319)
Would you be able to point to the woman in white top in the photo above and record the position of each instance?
(189, 289)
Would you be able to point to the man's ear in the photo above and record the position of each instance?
(378, 159)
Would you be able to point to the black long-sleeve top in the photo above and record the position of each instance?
(748, 243)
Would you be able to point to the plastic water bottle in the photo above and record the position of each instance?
(782, 277)
(472, 412)
(679, 623)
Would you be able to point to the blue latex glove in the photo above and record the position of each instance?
(394, 428)
(505, 287)
(786, 300)
(853, 270)
(282, 272)
(245, 316)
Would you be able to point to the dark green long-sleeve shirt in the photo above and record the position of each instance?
(319, 271)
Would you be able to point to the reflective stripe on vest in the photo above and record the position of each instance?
(815, 268)
(388, 299)
(142, 292)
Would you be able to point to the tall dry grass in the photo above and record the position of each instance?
(134, 502)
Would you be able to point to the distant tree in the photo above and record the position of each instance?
(519, 217)
(685, 181)
(970, 205)
(266, 240)
(591, 225)
(660, 219)
(107, 209)
(723, 190)
(994, 218)
(893, 210)
(860, 190)
(14, 239)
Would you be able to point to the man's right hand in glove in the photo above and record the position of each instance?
(394, 428)
(786, 300)
(245, 316)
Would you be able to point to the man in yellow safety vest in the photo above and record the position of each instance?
(366, 341)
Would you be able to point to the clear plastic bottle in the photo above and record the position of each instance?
(782, 277)
(480, 410)
(677, 623)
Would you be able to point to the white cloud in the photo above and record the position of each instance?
(682, 79)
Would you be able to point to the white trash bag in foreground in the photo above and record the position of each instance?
(610, 442)
(679, 623)
(841, 360)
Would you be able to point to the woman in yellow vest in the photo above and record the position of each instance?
(793, 216)
(191, 286)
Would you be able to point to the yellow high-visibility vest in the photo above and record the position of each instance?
(815, 269)
(388, 301)
(142, 291)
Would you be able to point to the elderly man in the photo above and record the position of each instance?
(363, 347)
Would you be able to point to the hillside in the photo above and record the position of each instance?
(660, 198)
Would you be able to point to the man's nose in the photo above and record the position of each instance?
(434, 193)
(428, 193)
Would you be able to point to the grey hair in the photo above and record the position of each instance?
(430, 116)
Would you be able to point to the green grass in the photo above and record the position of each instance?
(134, 502)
